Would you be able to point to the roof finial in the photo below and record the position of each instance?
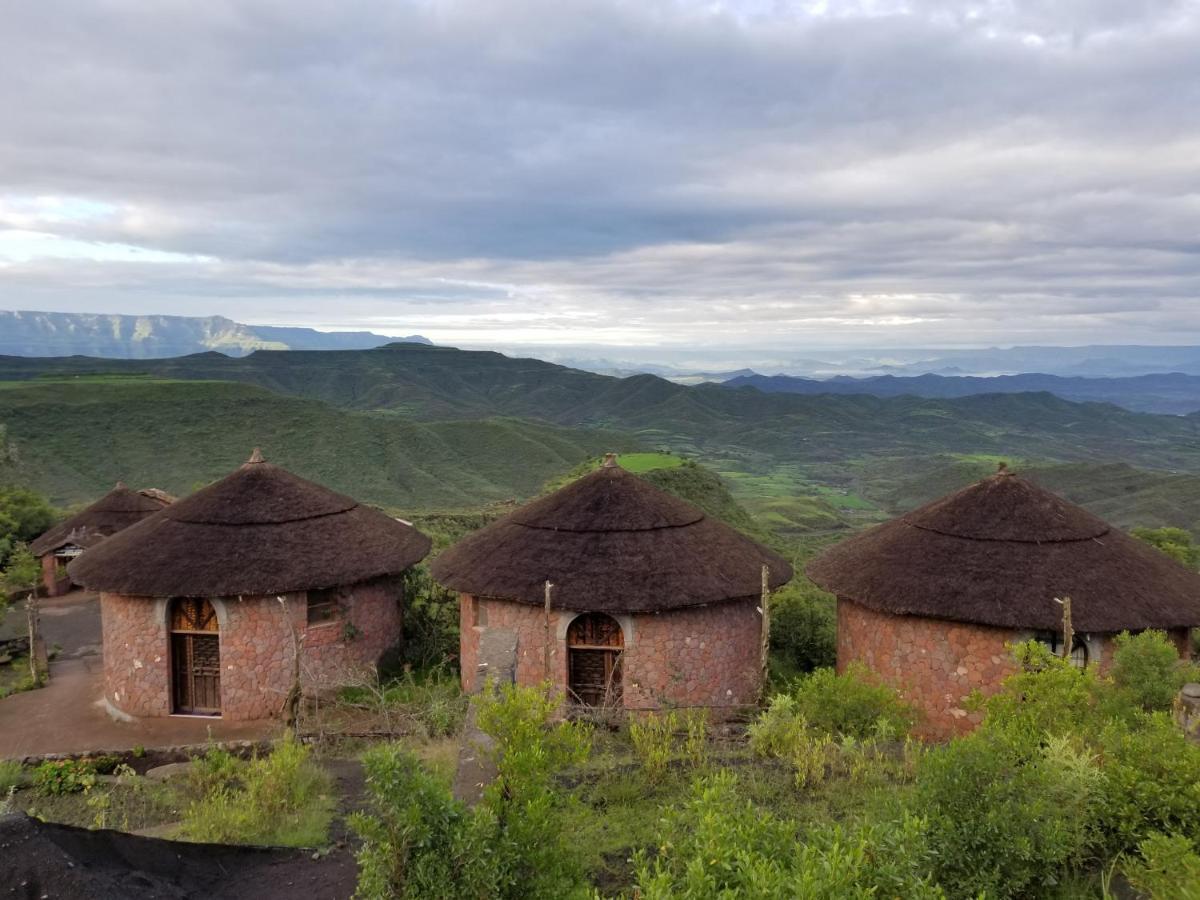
(120, 486)
(255, 458)
(610, 461)
(1002, 468)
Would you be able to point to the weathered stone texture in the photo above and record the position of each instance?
(934, 663)
(256, 636)
(703, 656)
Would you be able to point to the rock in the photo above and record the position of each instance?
(170, 770)
(1192, 691)
(5, 659)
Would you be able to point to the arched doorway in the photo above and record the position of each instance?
(195, 658)
(594, 647)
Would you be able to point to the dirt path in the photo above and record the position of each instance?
(68, 715)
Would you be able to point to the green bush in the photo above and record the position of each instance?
(22, 571)
(419, 842)
(721, 845)
(23, 516)
(1009, 815)
(1167, 868)
(429, 704)
(64, 776)
(1147, 667)
(11, 775)
(282, 799)
(853, 704)
(803, 630)
(430, 621)
(1175, 542)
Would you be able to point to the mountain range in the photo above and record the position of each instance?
(25, 333)
(1173, 393)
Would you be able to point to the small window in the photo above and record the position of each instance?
(322, 606)
(1053, 640)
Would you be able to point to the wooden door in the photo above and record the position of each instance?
(594, 648)
(195, 658)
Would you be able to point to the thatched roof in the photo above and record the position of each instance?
(115, 511)
(998, 553)
(610, 542)
(259, 530)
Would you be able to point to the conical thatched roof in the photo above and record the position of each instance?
(115, 511)
(259, 530)
(998, 553)
(610, 542)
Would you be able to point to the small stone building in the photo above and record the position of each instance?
(930, 600)
(114, 512)
(652, 603)
(208, 605)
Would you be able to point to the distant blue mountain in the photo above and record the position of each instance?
(26, 333)
(1173, 393)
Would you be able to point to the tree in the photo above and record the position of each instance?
(1175, 542)
(23, 516)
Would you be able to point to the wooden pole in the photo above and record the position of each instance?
(546, 629)
(1068, 631)
(765, 649)
(31, 615)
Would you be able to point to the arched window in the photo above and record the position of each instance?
(195, 657)
(595, 644)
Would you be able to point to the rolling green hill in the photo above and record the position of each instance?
(752, 431)
(72, 439)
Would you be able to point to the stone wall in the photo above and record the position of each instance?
(938, 663)
(55, 585)
(704, 656)
(934, 663)
(256, 635)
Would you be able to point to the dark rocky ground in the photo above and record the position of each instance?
(44, 861)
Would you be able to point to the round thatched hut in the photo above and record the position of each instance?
(651, 602)
(205, 604)
(929, 600)
(115, 511)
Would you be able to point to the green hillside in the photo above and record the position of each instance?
(756, 431)
(72, 439)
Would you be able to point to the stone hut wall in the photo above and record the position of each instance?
(705, 656)
(256, 647)
(54, 584)
(937, 663)
(934, 663)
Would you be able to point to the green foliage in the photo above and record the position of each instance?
(23, 516)
(22, 571)
(1175, 542)
(282, 799)
(1167, 868)
(852, 704)
(419, 842)
(1008, 815)
(430, 621)
(782, 732)
(803, 629)
(659, 738)
(430, 704)
(64, 776)
(1147, 667)
(11, 775)
(719, 844)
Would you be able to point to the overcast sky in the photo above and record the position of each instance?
(749, 174)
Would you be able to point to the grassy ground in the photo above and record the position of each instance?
(647, 462)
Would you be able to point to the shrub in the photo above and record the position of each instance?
(1147, 667)
(1167, 868)
(1008, 814)
(695, 744)
(430, 621)
(653, 742)
(1175, 542)
(419, 842)
(851, 704)
(803, 629)
(64, 776)
(720, 845)
(22, 570)
(23, 516)
(11, 775)
(281, 799)
(429, 704)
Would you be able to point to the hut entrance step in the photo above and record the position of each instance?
(196, 673)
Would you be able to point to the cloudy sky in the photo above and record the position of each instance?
(654, 173)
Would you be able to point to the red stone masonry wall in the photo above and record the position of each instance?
(703, 656)
(934, 663)
(256, 647)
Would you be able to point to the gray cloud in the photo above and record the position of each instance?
(767, 173)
